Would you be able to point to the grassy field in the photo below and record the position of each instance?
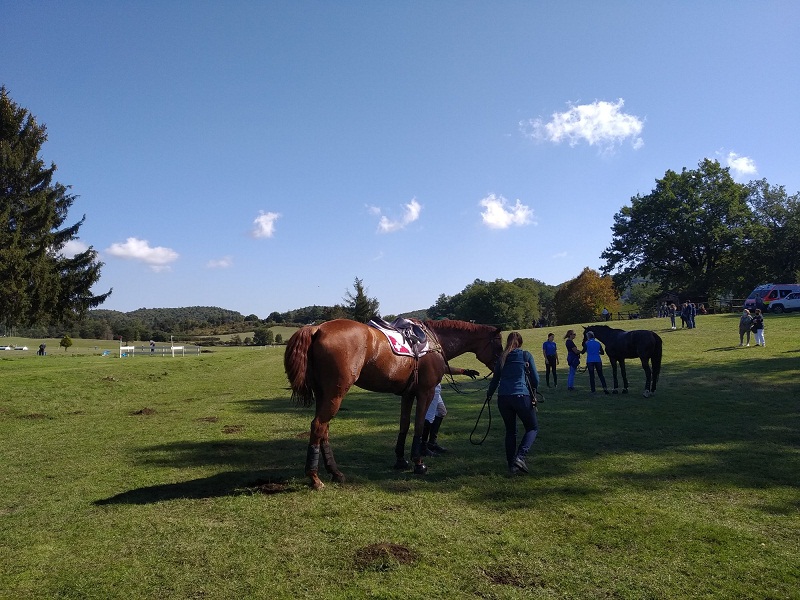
(160, 477)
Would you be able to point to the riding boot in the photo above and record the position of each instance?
(432, 445)
(425, 448)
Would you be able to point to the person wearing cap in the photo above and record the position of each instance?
(594, 363)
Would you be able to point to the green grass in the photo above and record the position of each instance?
(153, 477)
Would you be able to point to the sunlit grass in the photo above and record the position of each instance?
(154, 477)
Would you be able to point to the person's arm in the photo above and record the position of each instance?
(494, 382)
(544, 352)
(459, 371)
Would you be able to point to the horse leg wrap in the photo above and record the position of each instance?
(416, 447)
(312, 459)
(330, 463)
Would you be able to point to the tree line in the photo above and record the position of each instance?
(698, 234)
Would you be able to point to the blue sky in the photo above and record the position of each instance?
(259, 156)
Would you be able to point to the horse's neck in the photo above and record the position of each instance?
(454, 343)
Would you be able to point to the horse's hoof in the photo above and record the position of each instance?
(646, 394)
(420, 469)
(402, 464)
(337, 478)
(625, 391)
(615, 391)
(317, 485)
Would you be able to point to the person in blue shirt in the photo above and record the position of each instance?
(550, 352)
(514, 399)
(593, 349)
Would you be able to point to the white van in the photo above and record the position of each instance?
(768, 293)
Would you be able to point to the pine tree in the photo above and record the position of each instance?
(359, 306)
(38, 284)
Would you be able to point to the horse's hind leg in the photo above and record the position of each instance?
(329, 461)
(648, 374)
(319, 441)
(616, 381)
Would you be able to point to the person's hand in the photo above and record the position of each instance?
(471, 373)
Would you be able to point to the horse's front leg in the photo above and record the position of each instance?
(614, 372)
(423, 400)
(405, 422)
(624, 376)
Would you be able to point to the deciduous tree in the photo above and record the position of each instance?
(688, 235)
(581, 300)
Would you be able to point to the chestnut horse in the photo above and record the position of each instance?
(324, 361)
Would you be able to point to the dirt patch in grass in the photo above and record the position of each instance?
(383, 557)
(33, 416)
(269, 486)
(304, 434)
(512, 575)
(144, 411)
(233, 429)
(207, 419)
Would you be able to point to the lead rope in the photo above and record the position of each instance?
(486, 403)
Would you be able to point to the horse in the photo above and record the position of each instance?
(323, 362)
(640, 343)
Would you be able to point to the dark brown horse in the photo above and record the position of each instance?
(643, 344)
(322, 363)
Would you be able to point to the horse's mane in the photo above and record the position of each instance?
(462, 325)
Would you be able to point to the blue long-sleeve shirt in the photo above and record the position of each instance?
(511, 378)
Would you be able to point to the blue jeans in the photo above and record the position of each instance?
(571, 377)
(510, 408)
(596, 366)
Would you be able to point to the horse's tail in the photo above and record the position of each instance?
(296, 362)
(657, 351)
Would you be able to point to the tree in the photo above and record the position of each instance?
(776, 238)
(359, 307)
(688, 235)
(581, 300)
(65, 342)
(40, 285)
(278, 338)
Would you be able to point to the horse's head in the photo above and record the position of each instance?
(492, 350)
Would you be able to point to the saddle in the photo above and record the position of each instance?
(413, 339)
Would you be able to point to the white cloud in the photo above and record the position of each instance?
(220, 263)
(157, 258)
(264, 224)
(600, 123)
(741, 166)
(411, 214)
(499, 215)
(559, 255)
(73, 247)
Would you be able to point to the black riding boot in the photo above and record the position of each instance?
(432, 445)
(426, 449)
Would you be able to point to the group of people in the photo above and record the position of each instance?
(516, 380)
(751, 323)
(687, 312)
